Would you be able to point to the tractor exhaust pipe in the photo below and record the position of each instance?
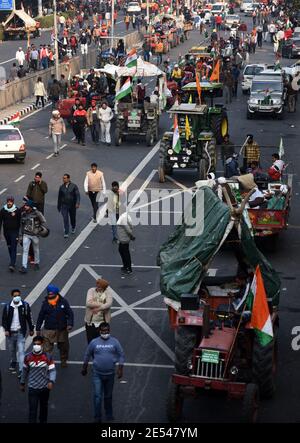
(206, 320)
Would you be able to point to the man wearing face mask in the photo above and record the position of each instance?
(106, 352)
(40, 370)
(10, 218)
(58, 319)
(15, 318)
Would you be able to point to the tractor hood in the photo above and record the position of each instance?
(186, 255)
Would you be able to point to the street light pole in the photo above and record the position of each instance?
(55, 40)
(112, 24)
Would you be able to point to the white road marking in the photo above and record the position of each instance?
(63, 146)
(142, 188)
(137, 208)
(35, 112)
(47, 136)
(180, 185)
(138, 365)
(19, 178)
(3, 190)
(157, 340)
(35, 166)
(7, 61)
(71, 281)
(81, 238)
(49, 156)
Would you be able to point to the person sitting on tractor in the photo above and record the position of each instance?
(257, 199)
(177, 75)
(140, 92)
(275, 171)
(251, 151)
(231, 165)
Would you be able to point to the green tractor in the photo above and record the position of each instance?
(196, 127)
(217, 119)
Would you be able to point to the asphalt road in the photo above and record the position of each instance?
(139, 315)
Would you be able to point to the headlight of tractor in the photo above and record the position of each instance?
(170, 151)
(277, 101)
(253, 101)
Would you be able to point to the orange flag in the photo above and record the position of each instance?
(198, 88)
(215, 76)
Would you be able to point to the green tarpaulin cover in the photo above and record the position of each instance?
(183, 258)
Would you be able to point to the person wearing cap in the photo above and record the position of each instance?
(176, 74)
(98, 304)
(251, 151)
(20, 57)
(36, 191)
(31, 222)
(57, 319)
(275, 171)
(15, 318)
(93, 121)
(57, 128)
(10, 219)
(39, 370)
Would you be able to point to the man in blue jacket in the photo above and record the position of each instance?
(58, 319)
(106, 352)
(15, 318)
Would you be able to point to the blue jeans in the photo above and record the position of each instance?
(67, 212)
(16, 348)
(103, 384)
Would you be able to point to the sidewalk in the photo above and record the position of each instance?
(18, 110)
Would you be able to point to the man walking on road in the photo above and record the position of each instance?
(36, 191)
(15, 318)
(125, 234)
(40, 370)
(57, 127)
(58, 319)
(93, 184)
(80, 122)
(68, 202)
(10, 219)
(106, 352)
(105, 116)
(115, 207)
(31, 222)
(98, 304)
(20, 57)
(93, 121)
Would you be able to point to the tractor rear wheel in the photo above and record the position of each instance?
(219, 126)
(250, 403)
(174, 402)
(185, 342)
(264, 361)
(202, 168)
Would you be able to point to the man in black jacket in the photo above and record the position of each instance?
(58, 319)
(68, 202)
(36, 191)
(16, 315)
(10, 218)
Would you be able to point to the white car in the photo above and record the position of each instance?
(249, 72)
(232, 21)
(12, 145)
(244, 4)
(250, 7)
(218, 8)
(134, 7)
(293, 69)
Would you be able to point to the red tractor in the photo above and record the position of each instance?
(216, 347)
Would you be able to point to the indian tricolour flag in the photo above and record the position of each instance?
(131, 60)
(260, 316)
(125, 89)
(176, 145)
(14, 119)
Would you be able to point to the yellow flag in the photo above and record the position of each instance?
(187, 128)
(190, 99)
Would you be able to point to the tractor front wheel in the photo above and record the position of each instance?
(250, 403)
(202, 168)
(219, 126)
(174, 402)
(264, 361)
(185, 342)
